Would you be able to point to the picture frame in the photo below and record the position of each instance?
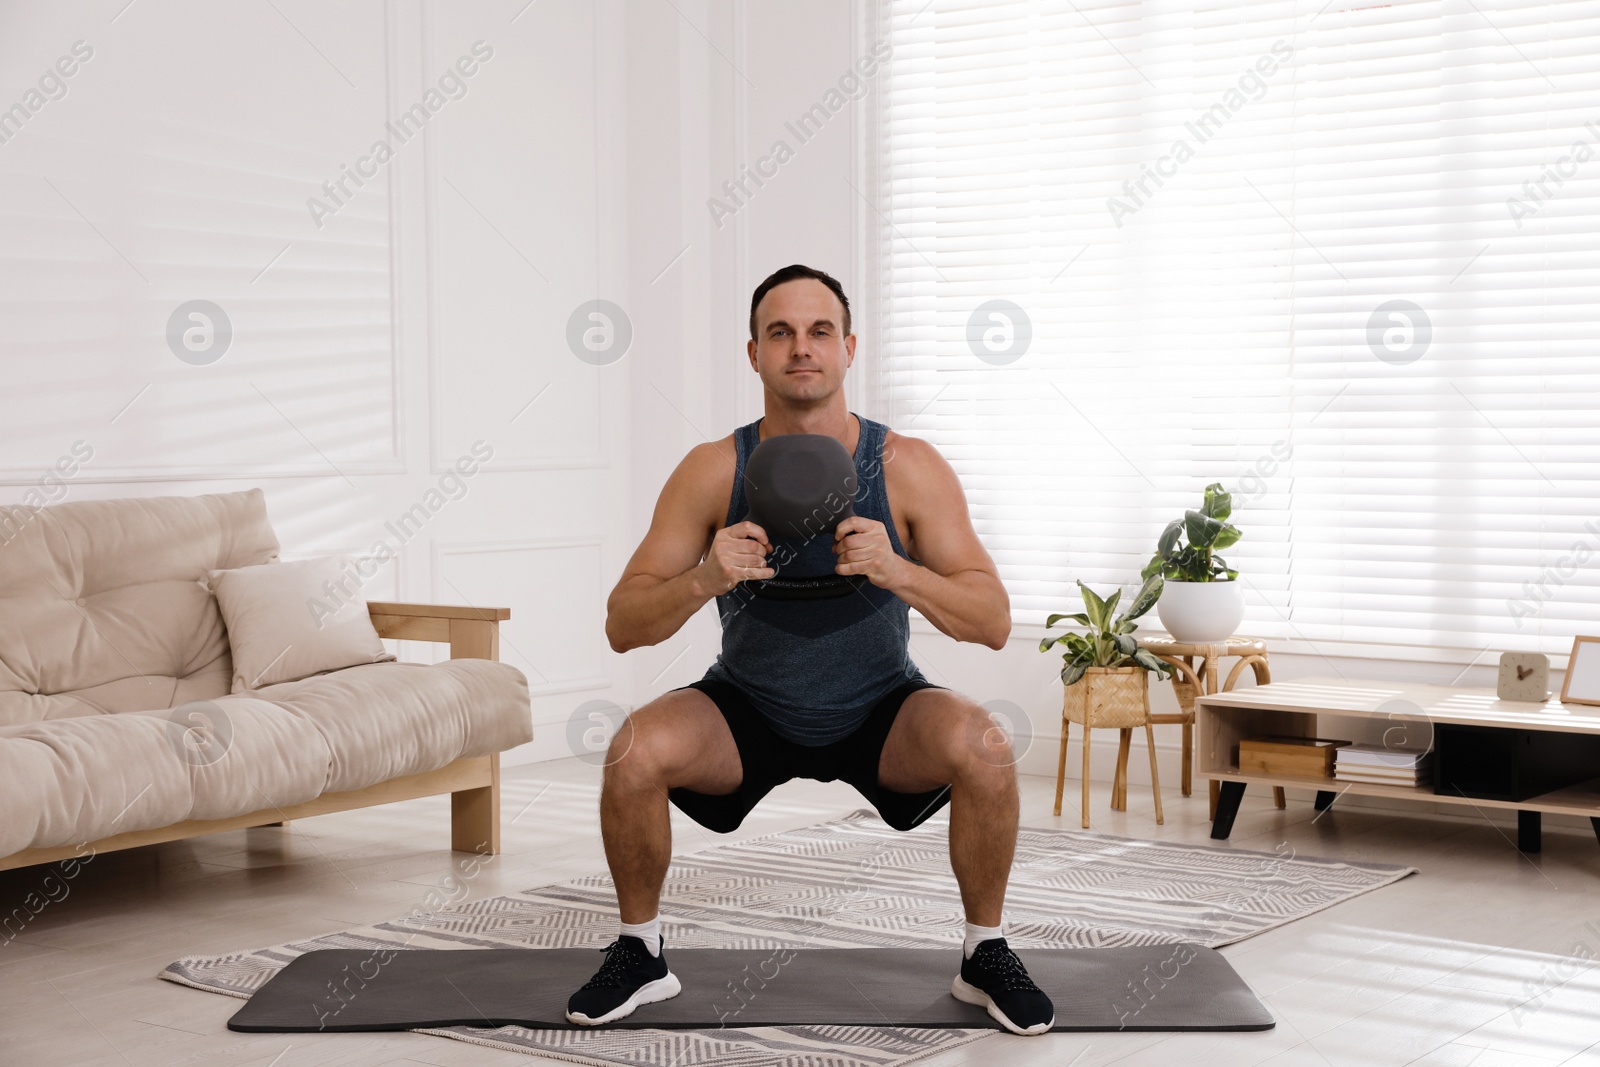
(1582, 682)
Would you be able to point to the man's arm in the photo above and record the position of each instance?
(957, 588)
(661, 588)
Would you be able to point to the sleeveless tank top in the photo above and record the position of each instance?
(815, 668)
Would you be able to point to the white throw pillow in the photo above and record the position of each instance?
(288, 621)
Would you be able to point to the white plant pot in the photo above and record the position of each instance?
(1201, 612)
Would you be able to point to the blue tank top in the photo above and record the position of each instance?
(815, 668)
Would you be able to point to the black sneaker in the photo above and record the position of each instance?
(629, 977)
(993, 978)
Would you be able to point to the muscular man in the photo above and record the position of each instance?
(821, 689)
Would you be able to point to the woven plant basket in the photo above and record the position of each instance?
(1109, 697)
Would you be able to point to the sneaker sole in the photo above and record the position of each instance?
(660, 989)
(968, 993)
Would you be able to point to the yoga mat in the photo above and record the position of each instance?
(1176, 986)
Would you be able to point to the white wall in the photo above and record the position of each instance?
(379, 336)
(374, 340)
(429, 311)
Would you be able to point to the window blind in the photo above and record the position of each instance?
(1341, 258)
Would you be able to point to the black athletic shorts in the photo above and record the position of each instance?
(770, 760)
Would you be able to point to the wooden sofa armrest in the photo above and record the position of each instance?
(472, 633)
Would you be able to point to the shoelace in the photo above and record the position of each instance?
(621, 957)
(999, 961)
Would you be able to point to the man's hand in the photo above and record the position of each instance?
(738, 553)
(862, 545)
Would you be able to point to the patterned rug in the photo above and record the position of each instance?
(853, 882)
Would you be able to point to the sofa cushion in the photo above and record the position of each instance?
(97, 776)
(288, 621)
(102, 607)
(388, 719)
(83, 778)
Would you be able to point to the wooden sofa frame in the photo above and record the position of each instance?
(473, 782)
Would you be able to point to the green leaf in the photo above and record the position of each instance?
(1226, 537)
(1146, 598)
(1189, 565)
(1219, 502)
(1169, 538)
(1080, 618)
(1073, 645)
(1111, 607)
(1201, 529)
(1096, 606)
(1126, 645)
(1147, 659)
(1152, 568)
(1072, 672)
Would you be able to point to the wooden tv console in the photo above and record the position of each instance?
(1291, 709)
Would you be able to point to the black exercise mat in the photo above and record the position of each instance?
(1179, 986)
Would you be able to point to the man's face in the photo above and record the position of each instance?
(800, 349)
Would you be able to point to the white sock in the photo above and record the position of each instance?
(976, 934)
(649, 933)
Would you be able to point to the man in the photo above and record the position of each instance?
(820, 689)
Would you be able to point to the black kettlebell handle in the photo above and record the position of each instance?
(824, 587)
(815, 587)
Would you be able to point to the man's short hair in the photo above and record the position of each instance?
(791, 273)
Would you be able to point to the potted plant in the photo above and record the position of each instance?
(1106, 674)
(1202, 601)
(1109, 647)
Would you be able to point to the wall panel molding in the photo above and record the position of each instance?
(438, 379)
(444, 593)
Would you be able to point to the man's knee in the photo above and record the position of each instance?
(955, 740)
(988, 743)
(638, 754)
(678, 739)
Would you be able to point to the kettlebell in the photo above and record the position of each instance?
(800, 486)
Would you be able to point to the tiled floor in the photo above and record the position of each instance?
(1486, 958)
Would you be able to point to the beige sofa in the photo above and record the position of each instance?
(106, 627)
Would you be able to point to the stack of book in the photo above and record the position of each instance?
(1378, 765)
